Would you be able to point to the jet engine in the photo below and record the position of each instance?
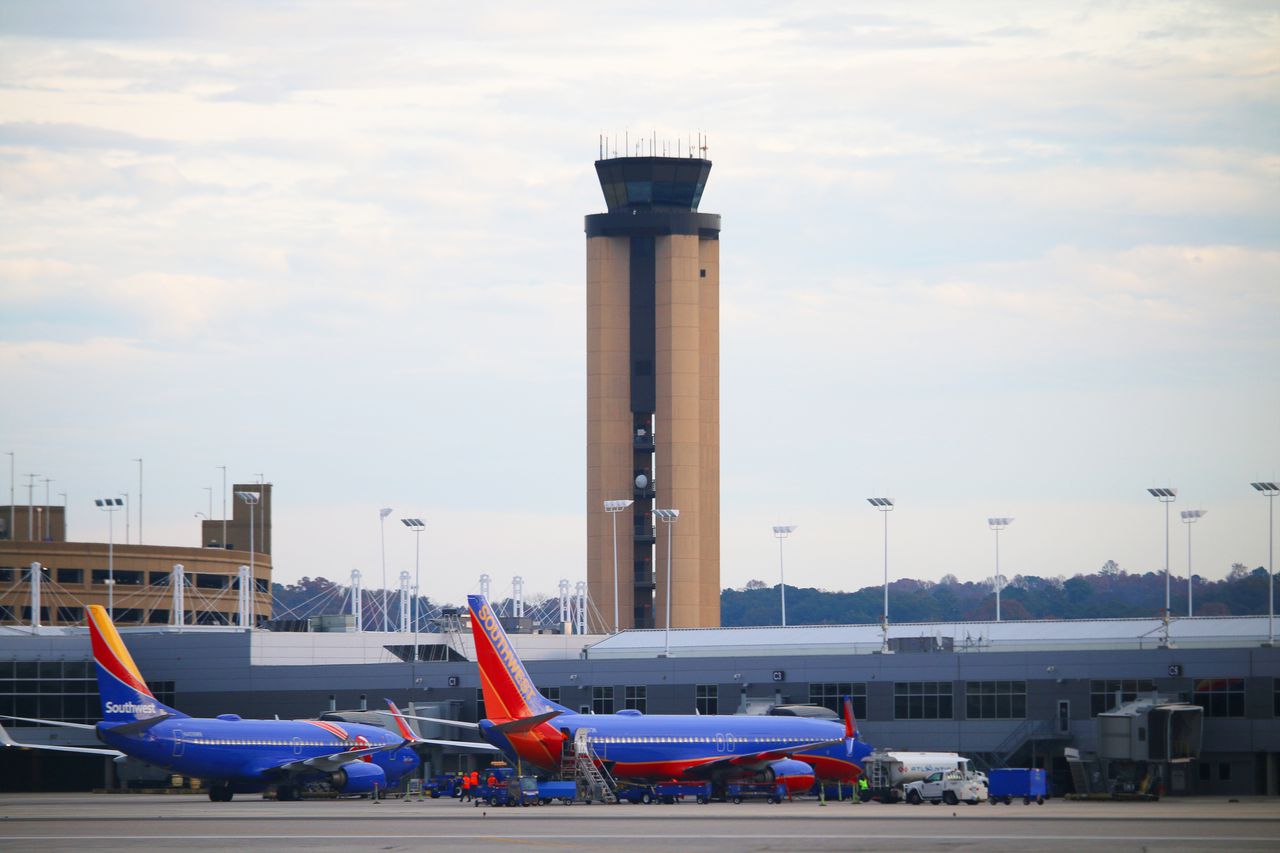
(796, 775)
(358, 777)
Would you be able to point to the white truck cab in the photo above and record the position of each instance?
(946, 786)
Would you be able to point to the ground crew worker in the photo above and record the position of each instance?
(863, 787)
(466, 787)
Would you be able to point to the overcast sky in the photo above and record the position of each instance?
(986, 259)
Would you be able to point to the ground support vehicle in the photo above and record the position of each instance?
(444, 786)
(888, 772)
(950, 787)
(635, 794)
(774, 792)
(1022, 783)
(565, 792)
(674, 792)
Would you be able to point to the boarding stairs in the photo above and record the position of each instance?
(581, 764)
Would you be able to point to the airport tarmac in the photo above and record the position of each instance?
(106, 822)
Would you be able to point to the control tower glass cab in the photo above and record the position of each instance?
(653, 392)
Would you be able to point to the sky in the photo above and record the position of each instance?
(987, 259)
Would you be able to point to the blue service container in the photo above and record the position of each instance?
(673, 792)
(566, 792)
(1008, 783)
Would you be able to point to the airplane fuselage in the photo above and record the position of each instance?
(658, 747)
(245, 752)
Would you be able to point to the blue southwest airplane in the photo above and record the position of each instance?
(529, 728)
(234, 755)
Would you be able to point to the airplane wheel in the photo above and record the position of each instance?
(286, 794)
(737, 801)
(913, 797)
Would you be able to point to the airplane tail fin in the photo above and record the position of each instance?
(508, 691)
(125, 695)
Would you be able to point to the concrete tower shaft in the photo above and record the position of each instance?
(653, 392)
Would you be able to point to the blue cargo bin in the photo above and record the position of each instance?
(1006, 784)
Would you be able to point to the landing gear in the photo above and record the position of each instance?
(287, 794)
(220, 793)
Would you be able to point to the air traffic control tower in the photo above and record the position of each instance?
(653, 393)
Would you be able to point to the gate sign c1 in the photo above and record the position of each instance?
(453, 681)
(779, 675)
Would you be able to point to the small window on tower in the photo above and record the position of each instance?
(702, 273)
(644, 367)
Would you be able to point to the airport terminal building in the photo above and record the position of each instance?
(1008, 694)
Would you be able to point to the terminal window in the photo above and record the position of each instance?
(637, 698)
(1220, 697)
(552, 693)
(71, 576)
(829, 694)
(707, 699)
(480, 704)
(602, 700)
(995, 700)
(1105, 695)
(922, 700)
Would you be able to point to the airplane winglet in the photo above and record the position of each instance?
(526, 724)
(401, 723)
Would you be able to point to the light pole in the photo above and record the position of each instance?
(1269, 491)
(884, 505)
(382, 532)
(224, 504)
(125, 495)
(31, 505)
(250, 498)
(668, 516)
(109, 506)
(139, 461)
(12, 518)
(417, 525)
(1166, 497)
(613, 508)
(1190, 517)
(782, 531)
(45, 534)
(998, 524)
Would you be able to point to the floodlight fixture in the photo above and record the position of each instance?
(669, 516)
(109, 506)
(1190, 517)
(998, 524)
(1166, 496)
(250, 498)
(613, 508)
(416, 525)
(382, 538)
(884, 505)
(782, 531)
(1269, 490)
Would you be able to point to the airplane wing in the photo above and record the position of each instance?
(459, 723)
(460, 744)
(755, 759)
(7, 741)
(48, 722)
(333, 761)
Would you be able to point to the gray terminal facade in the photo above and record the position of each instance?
(1005, 708)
